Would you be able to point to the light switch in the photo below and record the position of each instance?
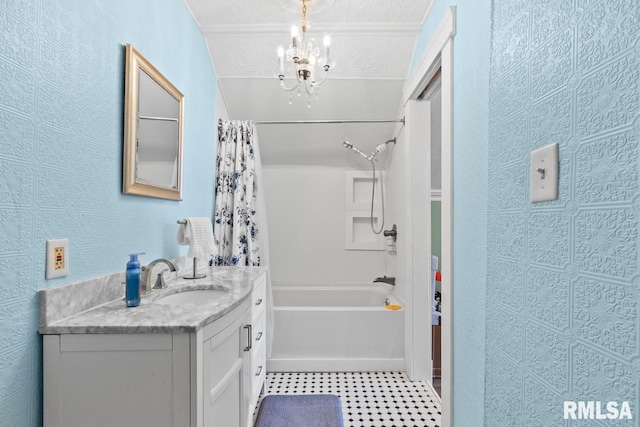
(544, 174)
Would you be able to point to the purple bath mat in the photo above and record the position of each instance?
(300, 410)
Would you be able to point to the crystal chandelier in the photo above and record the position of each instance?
(310, 66)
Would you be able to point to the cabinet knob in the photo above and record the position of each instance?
(258, 336)
(259, 301)
(259, 371)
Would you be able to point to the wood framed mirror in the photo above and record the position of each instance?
(153, 120)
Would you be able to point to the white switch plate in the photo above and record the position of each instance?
(544, 174)
(57, 258)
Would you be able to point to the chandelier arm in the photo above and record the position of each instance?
(282, 85)
(324, 77)
(309, 88)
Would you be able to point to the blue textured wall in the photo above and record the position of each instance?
(470, 115)
(563, 284)
(470, 154)
(61, 108)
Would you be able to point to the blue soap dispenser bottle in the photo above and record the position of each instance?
(132, 289)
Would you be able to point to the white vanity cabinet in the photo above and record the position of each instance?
(208, 378)
(257, 351)
(224, 371)
(117, 380)
(227, 373)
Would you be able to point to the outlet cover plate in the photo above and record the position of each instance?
(57, 258)
(544, 174)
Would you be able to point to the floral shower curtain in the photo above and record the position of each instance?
(235, 229)
(240, 219)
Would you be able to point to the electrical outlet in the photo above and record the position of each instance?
(58, 253)
(57, 258)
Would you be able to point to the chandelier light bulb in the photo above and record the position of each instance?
(281, 60)
(327, 43)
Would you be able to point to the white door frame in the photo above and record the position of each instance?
(417, 266)
(437, 55)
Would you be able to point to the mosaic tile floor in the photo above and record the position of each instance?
(369, 399)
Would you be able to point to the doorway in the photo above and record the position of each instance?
(433, 95)
(437, 59)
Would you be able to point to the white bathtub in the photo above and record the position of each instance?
(336, 328)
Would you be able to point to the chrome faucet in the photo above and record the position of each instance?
(160, 283)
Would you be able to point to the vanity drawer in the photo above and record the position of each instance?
(259, 331)
(258, 298)
(258, 370)
(260, 281)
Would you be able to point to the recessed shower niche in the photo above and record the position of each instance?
(358, 233)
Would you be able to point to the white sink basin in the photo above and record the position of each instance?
(196, 296)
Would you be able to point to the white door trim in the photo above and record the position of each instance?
(418, 220)
(439, 54)
(428, 63)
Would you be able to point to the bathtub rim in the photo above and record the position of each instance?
(385, 289)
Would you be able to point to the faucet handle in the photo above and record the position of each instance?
(160, 283)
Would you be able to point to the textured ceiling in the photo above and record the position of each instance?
(371, 40)
(359, 55)
(239, 12)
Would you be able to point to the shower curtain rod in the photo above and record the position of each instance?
(315, 122)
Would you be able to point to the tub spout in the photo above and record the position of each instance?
(389, 280)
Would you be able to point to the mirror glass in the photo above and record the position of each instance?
(153, 131)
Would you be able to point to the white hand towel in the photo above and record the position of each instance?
(198, 233)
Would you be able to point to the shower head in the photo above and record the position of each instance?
(379, 149)
(349, 146)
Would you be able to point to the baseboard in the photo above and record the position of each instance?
(335, 365)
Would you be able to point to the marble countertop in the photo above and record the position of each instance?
(150, 316)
